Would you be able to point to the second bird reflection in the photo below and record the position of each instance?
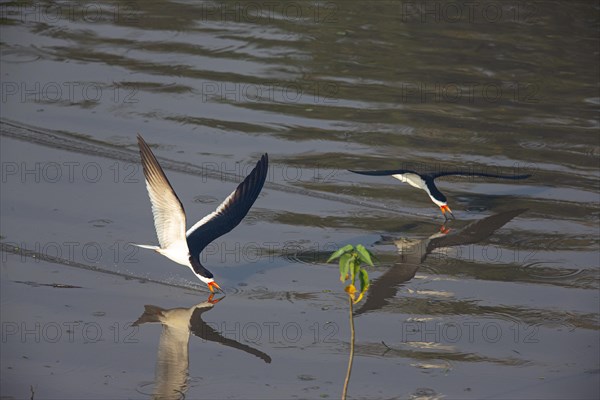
(414, 255)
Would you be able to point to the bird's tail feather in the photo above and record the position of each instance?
(145, 246)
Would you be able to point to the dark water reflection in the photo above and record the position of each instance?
(324, 87)
(414, 254)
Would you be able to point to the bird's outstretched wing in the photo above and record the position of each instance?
(169, 216)
(472, 173)
(151, 314)
(385, 172)
(204, 331)
(434, 175)
(231, 212)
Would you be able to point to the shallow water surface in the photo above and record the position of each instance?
(500, 303)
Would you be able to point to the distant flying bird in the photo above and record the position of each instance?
(170, 222)
(425, 181)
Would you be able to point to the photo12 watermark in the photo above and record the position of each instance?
(68, 332)
(470, 92)
(489, 332)
(277, 332)
(118, 252)
(69, 172)
(318, 12)
(284, 92)
(71, 11)
(237, 171)
(468, 12)
(70, 92)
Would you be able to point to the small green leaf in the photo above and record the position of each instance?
(364, 280)
(344, 266)
(339, 252)
(364, 284)
(364, 255)
(356, 269)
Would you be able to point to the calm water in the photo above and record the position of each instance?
(503, 305)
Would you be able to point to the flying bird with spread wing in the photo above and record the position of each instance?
(426, 182)
(184, 247)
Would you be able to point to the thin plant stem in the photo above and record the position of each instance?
(351, 349)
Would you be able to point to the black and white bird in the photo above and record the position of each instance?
(426, 182)
(184, 247)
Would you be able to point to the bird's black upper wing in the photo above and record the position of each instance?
(434, 175)
(473, 173)
(385, 172)
(229, 213)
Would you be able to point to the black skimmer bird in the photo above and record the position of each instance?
(426, 182)
(184, 247)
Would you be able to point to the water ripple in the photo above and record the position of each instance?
(205, 199)
(550, 273)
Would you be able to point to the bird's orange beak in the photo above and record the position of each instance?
(445, 208)
(213, 285)
(212, 300)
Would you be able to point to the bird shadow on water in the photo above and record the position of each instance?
(172, 361)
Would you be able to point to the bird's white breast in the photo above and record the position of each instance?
(177, 252)
(412, 179)
(418, 182)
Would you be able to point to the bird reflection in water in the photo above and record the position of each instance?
(414, 253)
(173, 351)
